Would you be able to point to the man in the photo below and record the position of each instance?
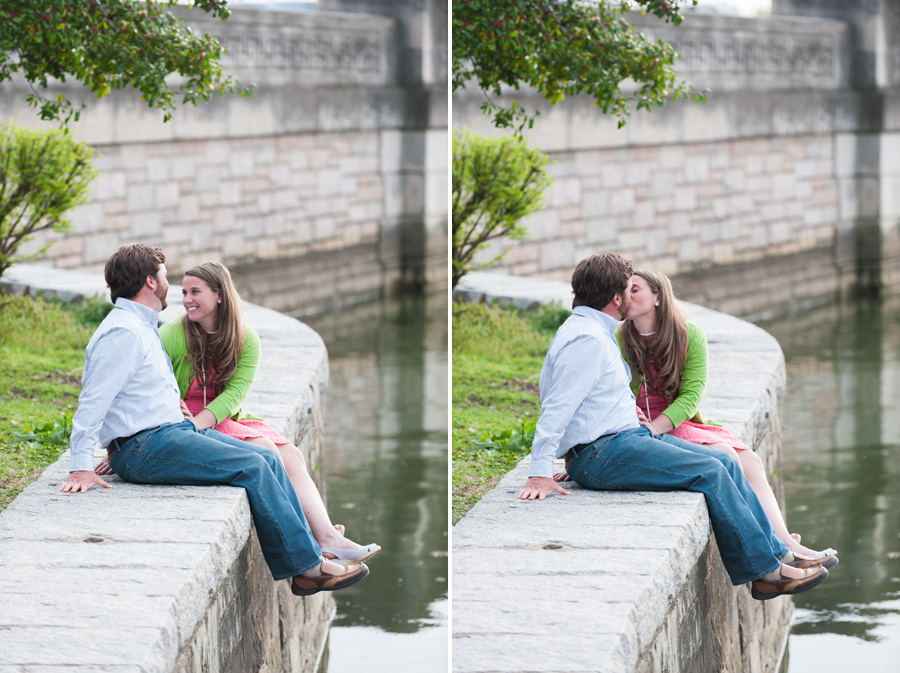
(130, 403)
(588, 416)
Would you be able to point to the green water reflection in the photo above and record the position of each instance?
(841, 471)
(386, 470)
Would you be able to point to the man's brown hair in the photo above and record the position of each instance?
(128, 267)
(599, 278)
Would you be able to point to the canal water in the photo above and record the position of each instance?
(841, 472)
(386, 468)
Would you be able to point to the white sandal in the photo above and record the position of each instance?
(347, 557)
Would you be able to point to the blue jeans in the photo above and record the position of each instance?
(181, 454)
(635, 460)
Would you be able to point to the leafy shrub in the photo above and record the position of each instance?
(43, 174)
(497, 181)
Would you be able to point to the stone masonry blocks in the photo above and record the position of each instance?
(752, 193)
(198, 196)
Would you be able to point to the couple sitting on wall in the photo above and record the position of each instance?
(166, 405)
(657, 441)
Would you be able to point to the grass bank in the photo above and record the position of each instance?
(497, 358)
(41, 354)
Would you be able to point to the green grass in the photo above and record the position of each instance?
(42, 355)
(497, 358)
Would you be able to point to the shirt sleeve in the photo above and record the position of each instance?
(693, 378)
(113, 361)
(576, 371)
(229, 401)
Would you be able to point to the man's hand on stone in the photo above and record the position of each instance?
(103, 467)
(540, 487)
(562, 476)
(82, 480)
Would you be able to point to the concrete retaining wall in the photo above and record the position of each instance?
(161, 578)
(619, 581)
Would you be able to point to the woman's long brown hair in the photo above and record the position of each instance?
(223, 347)
(666, 348)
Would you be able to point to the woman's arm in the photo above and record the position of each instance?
(694, 375)
(229, 401)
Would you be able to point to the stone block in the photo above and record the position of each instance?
(109, 185)
(558, 254)
(565, 192)
(588, 162)
(146, 225)
(621, 201)
(88, 217)
(185, 168)
(613, 175)
(603, 230)
(328, 182)
(158, 169)
(662, 183)
(139, 197)
(241, 164)
(216, 151)
(132, 156)
(734, 180)
(696, 169)
(167, 195)
(542, 225)
(595, 204)
(229, 193)
(264, 155)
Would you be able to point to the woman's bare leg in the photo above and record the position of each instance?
(755, 472)
(310, 498)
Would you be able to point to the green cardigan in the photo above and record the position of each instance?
(228, 403)
(693, 378)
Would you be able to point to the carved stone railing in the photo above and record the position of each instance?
(727, 53)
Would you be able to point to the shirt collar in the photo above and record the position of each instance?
(607, 321)
(145, 313)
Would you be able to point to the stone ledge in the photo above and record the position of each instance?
(156, 578)
(618, 581)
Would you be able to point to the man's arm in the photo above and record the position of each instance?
(576, 370)
(111, 364)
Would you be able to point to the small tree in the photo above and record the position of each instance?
(496, 182)
(42, 175)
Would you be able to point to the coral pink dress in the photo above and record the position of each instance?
(698, 433)
(246, 428)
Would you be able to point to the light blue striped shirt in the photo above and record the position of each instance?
(584, 389)
(128, 384)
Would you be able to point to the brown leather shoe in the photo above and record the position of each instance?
(764, 590)
(307, 586)
(804, 562)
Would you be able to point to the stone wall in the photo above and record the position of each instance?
(789, 160)
(162, 578)
(336, 151)
(619, 581)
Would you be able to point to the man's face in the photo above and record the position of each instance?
(626, 300)
(162, 287)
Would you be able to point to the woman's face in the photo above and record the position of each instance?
(643, 299)
(200, 302)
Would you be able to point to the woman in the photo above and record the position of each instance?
(215, 358)
(668, 359)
